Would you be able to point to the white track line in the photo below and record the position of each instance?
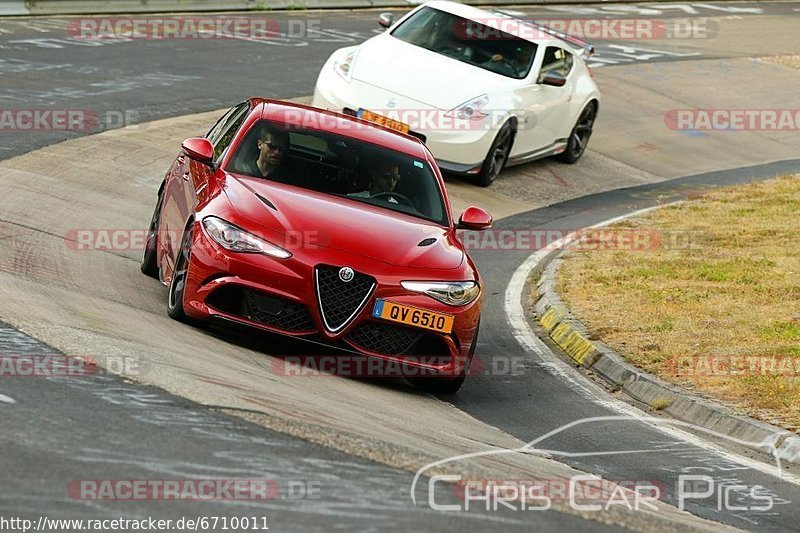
(7, 399)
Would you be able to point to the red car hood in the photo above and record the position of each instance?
(346, 225)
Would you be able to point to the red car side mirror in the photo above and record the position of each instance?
(474, 218)
(199, 149)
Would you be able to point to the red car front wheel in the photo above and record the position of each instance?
(177, 286)
(149, 265)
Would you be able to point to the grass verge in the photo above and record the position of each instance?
(714, 306)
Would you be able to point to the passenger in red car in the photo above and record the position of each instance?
(383, 179)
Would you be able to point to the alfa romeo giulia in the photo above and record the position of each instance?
(324, 227)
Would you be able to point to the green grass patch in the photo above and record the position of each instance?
(781, 331)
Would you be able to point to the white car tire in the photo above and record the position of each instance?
(497, 156)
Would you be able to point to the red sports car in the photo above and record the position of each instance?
(323, 227)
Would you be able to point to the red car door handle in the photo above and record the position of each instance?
(181, 159)
(186, 176)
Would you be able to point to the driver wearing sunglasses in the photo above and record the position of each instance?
(272, 146)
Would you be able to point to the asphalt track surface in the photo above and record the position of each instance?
(86, 427)
(105, 427)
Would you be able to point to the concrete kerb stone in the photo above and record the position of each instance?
(554, 317)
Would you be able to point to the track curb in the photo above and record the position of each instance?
(554, 319)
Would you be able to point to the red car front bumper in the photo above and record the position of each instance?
(279, 296)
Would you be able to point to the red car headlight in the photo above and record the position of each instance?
(236, 239)
(453, 293)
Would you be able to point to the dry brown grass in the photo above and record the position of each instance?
(728, 286)
(791, 61)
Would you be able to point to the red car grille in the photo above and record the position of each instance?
(384, 338)
(340, 301)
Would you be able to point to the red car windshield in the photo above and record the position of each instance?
(334, 164)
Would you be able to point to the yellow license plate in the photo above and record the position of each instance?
(383, 121)
(413, 316)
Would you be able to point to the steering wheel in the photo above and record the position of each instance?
(511, 67)
(401, 199)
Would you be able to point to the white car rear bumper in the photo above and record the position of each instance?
(458, 145)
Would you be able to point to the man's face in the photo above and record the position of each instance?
(272, 147)
(385, 180)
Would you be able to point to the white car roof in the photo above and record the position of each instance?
(492, 19)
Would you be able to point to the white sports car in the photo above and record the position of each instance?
(482, 89)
